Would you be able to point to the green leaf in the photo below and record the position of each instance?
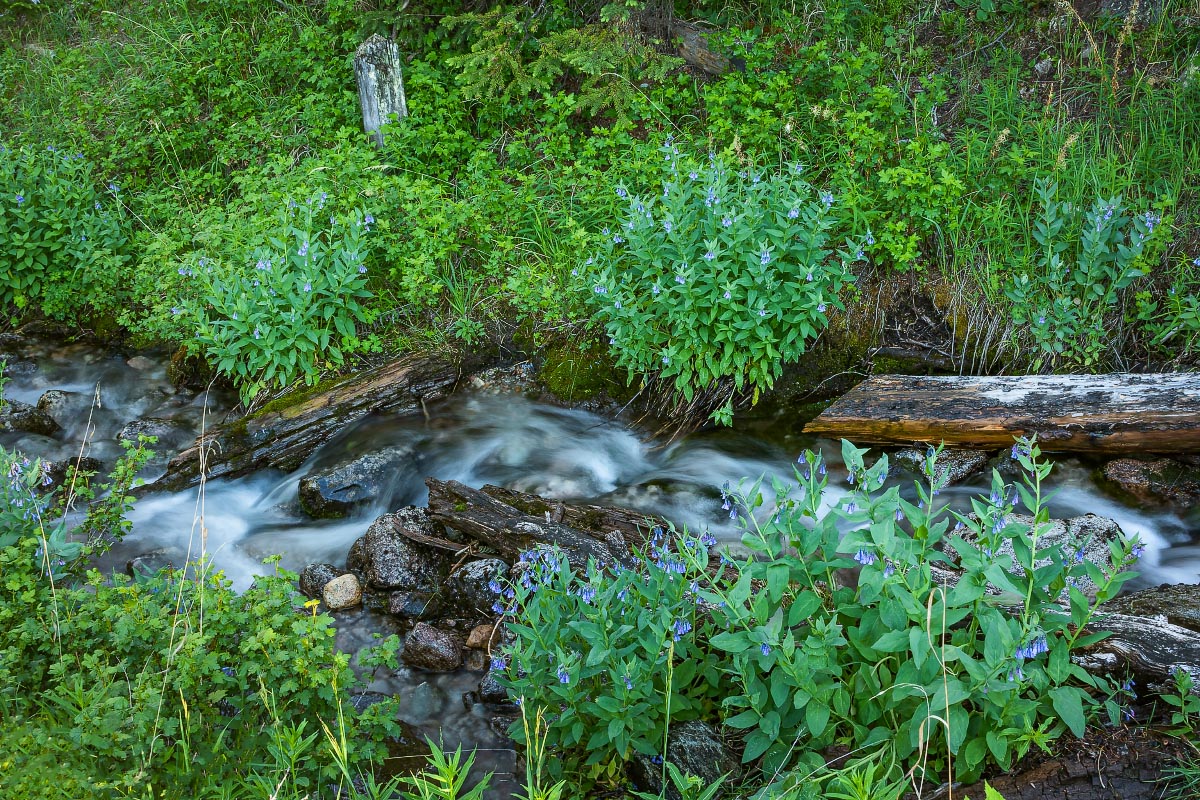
(1068, 704)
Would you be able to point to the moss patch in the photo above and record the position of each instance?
(574, 372)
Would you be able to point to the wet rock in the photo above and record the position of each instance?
(342, 592)
(490, 690)
(956, 465)
(335, 491)
(475, 661)
(413, 605)
(1179, 604)
(58, 470)
(1160, 480)
(483, 637)
(431, 649)
(468, 586)
(314, 577)
(141, 363)
(696, 749)
(391, 561)
(170, 433)
(18, 416)
(1085, 537)
(148, 564)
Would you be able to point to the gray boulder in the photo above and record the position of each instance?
(696, 749)
(335, 491)
(1086, 538)
(955, 465)
(389, 560)
(429, 648)
(18, 416)
(171, 434)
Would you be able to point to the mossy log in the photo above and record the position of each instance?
(285, 432)
(1121, 413)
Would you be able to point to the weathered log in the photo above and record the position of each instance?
(287, 431)
(634, 526)
(1120, 413)
(1149, 647)
(510, 531)
(380, 84)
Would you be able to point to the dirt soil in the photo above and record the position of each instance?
(1124, 763)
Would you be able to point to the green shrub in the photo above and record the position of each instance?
(899, 664)
(1069, 292)
(723, 275)
(172, 684)
(626, 657)
(977, 672)
(63, 247)
(294, 313)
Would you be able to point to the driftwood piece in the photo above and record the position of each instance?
(380, 84)
(634, 526)
(1119, 413)
(511, 531)
(1149, 647)
(284, 434)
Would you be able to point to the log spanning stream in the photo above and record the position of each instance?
(475, 437)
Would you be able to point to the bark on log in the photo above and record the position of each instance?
(380, 84)
(285, 434)
(634, 526)
(1150, 647)
(511, 531)
(1121, 413)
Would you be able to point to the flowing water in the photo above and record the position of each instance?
(478, 438)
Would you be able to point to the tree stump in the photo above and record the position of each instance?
(380, 84)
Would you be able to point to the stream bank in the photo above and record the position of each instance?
(487, 432)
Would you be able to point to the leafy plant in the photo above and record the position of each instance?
(445, 778)
(978, 670)
(610, 658)
(723, 275)
(1185, 702)
(63, 246)
(1086, 261)
(290, 316)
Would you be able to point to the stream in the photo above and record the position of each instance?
(474, 437)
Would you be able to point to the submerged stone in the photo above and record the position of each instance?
(429, 648)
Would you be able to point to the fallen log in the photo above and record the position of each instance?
(511, 531)
(285, 432)
(1149, 647)
(1121, 413)
(634, 526)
